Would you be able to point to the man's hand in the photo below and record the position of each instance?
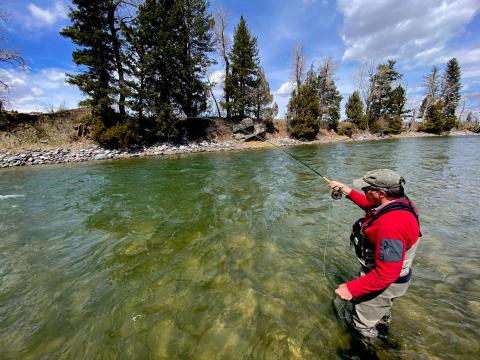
(343, 292)
(336, 185)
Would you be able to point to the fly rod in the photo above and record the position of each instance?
(336, 194)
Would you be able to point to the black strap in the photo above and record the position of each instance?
(392, 207)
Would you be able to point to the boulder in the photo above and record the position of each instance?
(245, 126)
(246, 130)
(259, 130)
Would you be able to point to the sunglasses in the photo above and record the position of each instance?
(370, 188)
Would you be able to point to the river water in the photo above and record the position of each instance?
(229, 255)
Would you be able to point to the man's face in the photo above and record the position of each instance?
(374, 195)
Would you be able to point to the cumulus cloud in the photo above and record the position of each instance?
(42, 17)
(285, 89)
(39, 91)
(410, 29)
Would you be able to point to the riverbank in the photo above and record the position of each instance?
(89, 152)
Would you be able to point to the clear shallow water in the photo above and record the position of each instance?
(221, 255)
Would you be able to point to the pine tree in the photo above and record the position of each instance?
(262, 98)
(303, 110)
(395, 110)
(95, 30)
(243, 76)
(450, 92)
(381, 83)
(354, 110)
(193, 42)
(154, 63)
(329, 96)
(89, 30)
(434, 121)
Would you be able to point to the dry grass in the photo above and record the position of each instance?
(42, 131)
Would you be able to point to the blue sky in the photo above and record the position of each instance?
(418, 34)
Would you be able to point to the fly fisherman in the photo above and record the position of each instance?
(385, 241)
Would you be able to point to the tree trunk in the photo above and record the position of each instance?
(227, 90)
(118, 60)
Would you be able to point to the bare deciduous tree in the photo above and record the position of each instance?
(364, 75)
(431, 83)
(8, 58)
(223, 45)
(298, 65)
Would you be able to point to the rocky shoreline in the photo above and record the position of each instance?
(94, 152)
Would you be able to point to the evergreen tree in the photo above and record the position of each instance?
(395, 110)
(90, 30)
(244, 68)
(193, 27)
(354, 110)
(450, 92)
(434, 121)
(303, 110)
(153, 41)
(381, 83)
(262, 98)
(329, 96)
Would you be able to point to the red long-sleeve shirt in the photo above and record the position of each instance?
(395, 225)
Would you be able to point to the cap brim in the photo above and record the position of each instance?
(360, 183)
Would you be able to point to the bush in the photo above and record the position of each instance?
(269, 126)
(394, 125)
(117, 136)
(303, 130)
(474, 127)
(346, 128)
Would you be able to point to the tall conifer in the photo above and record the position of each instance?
(244, 72)
(95, 29)
(303, 110)
(354, 110)
(450, 92)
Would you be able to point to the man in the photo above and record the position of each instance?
(385, 241)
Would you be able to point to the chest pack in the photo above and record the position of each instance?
(364, 248)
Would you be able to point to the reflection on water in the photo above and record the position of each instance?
(222, 255)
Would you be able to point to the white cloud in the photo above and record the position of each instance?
(285, 89)
(404, 30)
(217, 78)
(39, 91)
(41, 17)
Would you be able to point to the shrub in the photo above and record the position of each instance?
(117, 136)
(474, 127)
(269, 126)
(346, 128)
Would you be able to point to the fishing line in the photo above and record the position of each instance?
(336, 194)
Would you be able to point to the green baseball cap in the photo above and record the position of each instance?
(382, 178)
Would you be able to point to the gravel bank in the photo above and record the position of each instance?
(94, 152)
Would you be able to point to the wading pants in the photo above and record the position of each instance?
(371, 310)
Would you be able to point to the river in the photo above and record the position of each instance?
(229, 255)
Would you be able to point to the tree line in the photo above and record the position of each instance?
(143, 67)
(379, 105)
